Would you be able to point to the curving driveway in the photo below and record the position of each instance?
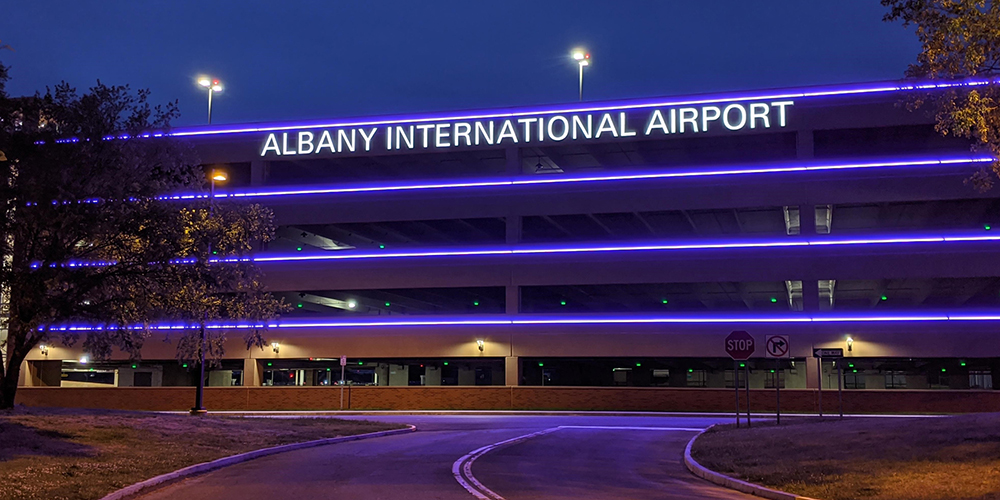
(573, 457)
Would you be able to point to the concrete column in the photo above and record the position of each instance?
(432, 375)
(812, 378)
(804, 148)
(252, 373)
(259, 170)
(512, 371)
(513, 299)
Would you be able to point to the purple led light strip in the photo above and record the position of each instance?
(990, 316)
(671, 174)
(543, 250)
(842, 90)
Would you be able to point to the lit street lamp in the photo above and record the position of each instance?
(582, 59)
(213, 85)
(215, 175)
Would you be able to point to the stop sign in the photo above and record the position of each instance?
(740, 345)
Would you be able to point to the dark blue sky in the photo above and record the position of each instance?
(292, 59)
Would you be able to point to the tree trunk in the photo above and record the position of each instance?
(8, 384)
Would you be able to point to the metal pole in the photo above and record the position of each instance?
(581, 80)
(840, 387)
(210, 91)
(777, 388)
(736, 384)
(819, 370)
(341, 387)
(747, 367)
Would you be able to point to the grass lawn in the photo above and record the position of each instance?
(948, 458)
(86, 454)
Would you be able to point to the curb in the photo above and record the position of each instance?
(731, 482)
(140, 487)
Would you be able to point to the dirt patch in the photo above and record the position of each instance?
(947, 458)
(62, 454)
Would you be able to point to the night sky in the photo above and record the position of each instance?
(290, 59)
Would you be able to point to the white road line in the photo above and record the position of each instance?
(462, 468)
(633, 428)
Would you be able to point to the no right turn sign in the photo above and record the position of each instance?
(776, 346)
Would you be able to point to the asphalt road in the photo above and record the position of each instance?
(588, 457)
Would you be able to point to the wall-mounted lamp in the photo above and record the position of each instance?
(44, 348)
(850, 344)
(84, 359)
(481, 344)
(275, 347)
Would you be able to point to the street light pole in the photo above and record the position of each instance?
(199, 396)
(213, 85)
(582, 59)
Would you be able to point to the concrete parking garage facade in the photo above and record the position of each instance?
(604, 246)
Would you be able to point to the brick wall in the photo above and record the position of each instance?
(506, 398)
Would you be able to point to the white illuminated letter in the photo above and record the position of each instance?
(507, 130)
(440, 135)
(709, 114)
(326, 141)
(578, 125)
(541, 129)
(565, 128)
(743, 116)
(527, 127)
(764, 109)
(284, 145)
(388, 138)
(621, 125)
(781, 110)
(689, 115)
(303, 140)
(607, 125)
(673, 120)
(402, 137)
(488, 136)
(656, 121)
(463, 129)
(424, 132)
(342, 139)
(271, 144)
(368, 138)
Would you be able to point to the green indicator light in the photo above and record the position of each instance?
(270, 364)
(638, 364)
(665, 301)
(855, 371)
(562, 302)
(215, 252)
(299, 305)
(885, 298)
(445, 363)
(387, 304)
(986, 227)
(690, 370)
(135, 366)
(850, 365)
(963, 363)
(361, 362)
(943, 370)
(298, 248)
(773, 299)
(327, 369)
(476, 303)
(772, 371)
(381, 246)
(541, 364)
(185, 365)
(743, 365)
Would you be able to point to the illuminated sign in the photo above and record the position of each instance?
(544, 128)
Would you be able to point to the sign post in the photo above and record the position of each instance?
(827, 353)
(776, 346)
(740, 346)
(343, 365)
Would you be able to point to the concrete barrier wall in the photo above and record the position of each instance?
(508, 398)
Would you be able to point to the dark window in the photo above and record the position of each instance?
(142, 379)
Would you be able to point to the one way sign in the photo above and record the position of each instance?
(776, 346)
